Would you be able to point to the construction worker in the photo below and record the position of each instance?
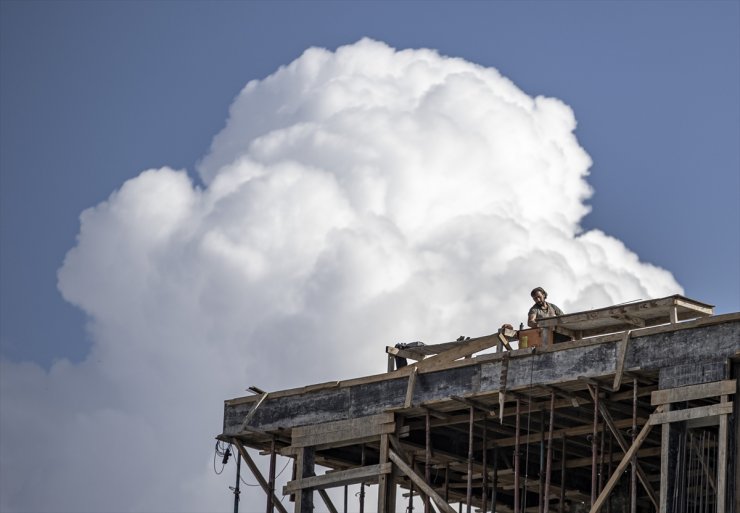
(541, 308)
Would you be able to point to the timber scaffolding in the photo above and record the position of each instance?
(635, 414)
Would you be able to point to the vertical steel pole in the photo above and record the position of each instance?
(485, 467)
(238, 478)
(516, 457)
(494, 496)
(541, 484)
(362, 485)
(411, 488)
(594, 446)
(633, 469)
(470, 460)
(548, 469)
(561, 503)
(271, 478)
(428, 458)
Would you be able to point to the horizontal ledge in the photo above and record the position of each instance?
(691, 413)
(369, 473)
(692, 392)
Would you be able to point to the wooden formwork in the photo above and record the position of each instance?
(637, 420)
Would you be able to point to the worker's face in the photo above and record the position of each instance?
(539, 298)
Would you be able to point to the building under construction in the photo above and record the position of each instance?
(634, 412)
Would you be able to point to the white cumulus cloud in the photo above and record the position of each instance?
(354, 199)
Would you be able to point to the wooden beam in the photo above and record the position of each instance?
(305, 461)
(251, 413)
(693, 392)
(466, 348)
(410, 388)
(327, 501)
(723, 440)
(343, 432)
(626, 460)
(621, 353)
(364, 474)
(691, 413)
(258, 475)
(418, 481)
(613, 427)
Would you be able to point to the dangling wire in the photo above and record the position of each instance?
(223, 451)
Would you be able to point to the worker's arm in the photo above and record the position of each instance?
(532, 320)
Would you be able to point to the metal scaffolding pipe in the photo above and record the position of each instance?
(633, 469)
(428, 459)
(561, 502)
(485, 467)
(271, 478)
(470, 459)
(516, 457)
(594, 445)
(548, 469)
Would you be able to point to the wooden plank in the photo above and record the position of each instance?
(418, 481)
(384, 481)
(626, 460)
(258, 475)
(410, 388)
(366, 474)
(641, 474)
(305, 468)
(693, 392)
(251, 413)
(665, 446)
(723, 440)
(569, 432)
(621, 353)
(691, 413)
(328, 502)
(343, 431)
(466, 348)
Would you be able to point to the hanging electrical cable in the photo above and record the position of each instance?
(222, 451)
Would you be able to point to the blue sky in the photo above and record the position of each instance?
(94, 93)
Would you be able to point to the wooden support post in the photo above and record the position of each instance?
(327, 500)
(722, 459)
(626, 459)
(418, 481)
(304, 468)
(642, 476)
(665, 447)
(385, 482)
(257, 474)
